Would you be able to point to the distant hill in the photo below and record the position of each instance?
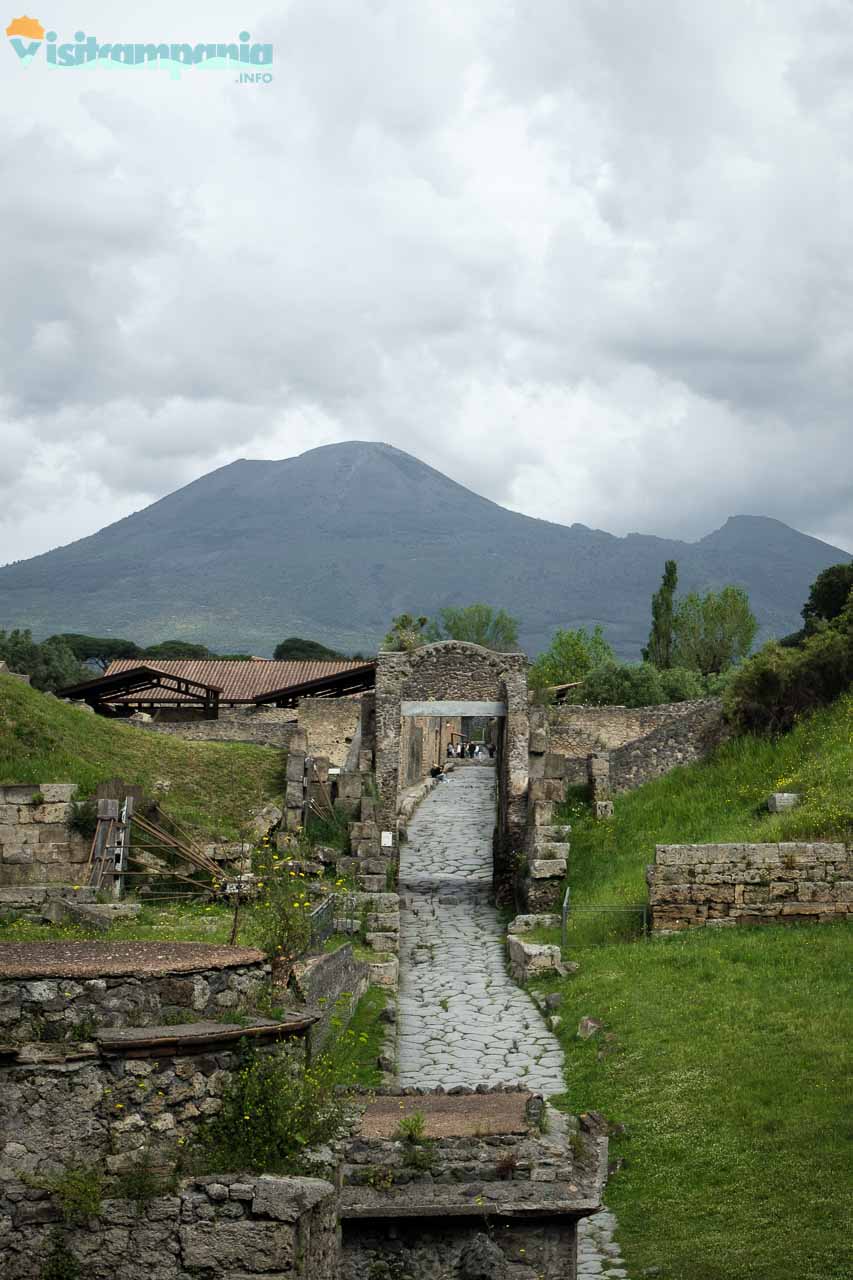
(333, 543)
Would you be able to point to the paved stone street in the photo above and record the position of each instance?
(461, 1018)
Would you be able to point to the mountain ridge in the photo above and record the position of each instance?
(333, 542)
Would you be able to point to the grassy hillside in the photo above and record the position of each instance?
(725, 1055)
(215, 786)
(721, 800)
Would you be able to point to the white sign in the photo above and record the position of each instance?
(387, 840)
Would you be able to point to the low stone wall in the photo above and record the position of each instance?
(61, 1105)
(228, 1225)
(37, 846)
(264, 726)
(330, 724)
(450, 1249)
(577, 730)
(682, 740)
(564, 738)
(332, 984)
(56, 1008)
(480, 1192)
(730, 884)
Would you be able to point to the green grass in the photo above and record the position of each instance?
(727, 1052)
(728, 1070)
(215, 786)
(356, 1051)
(719, 801)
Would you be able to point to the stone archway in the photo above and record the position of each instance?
(453, 677)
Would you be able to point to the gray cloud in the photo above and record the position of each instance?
(591, 260)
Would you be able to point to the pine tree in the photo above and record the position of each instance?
(659, 649)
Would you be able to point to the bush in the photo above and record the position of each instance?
(680, 685)
(776, 686)
(623, 684)
(59, 1262)
(78, 1189)
(274, 1108)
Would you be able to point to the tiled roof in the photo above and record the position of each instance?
(239, 681)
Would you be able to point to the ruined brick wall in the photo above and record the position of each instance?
(37, 846)
(58, 1102)
(264, 726)
(331, 725)
(642, 742)
(446, 1248)
(682, 740)
(728, 884)
(332, 984)
(53, 1008)
(225, 1225)
(454, 671)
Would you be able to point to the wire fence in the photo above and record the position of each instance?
(322, 922)
(602, 924)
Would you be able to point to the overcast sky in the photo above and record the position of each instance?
(590, 258)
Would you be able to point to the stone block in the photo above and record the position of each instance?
(385, 974)
(221, 1246)
(527, 959)
(542, 812)
(780, 801)
(526, 923)
(295, 767)
(288, 1199)
(294, 794)
(58, 792)
(602, 809)
(547, 868)
(383, 942)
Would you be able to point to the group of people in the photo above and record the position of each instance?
(473, 750)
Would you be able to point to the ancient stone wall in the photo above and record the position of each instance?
(454, 671)
(264, 726)
(330, 724)
(454, 1249)
(730, 884)
(227, 1225)
(682, 740)
(54, 1008)
(37, 845)
(58, 1103)
(642, 743)
(576, 730)
(423, 745)
(333, 984)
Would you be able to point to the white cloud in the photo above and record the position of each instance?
(591, 260)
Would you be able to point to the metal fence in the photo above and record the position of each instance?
(322, 922)
(610, 922)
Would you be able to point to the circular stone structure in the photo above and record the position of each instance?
(66, 990)
(115, 959)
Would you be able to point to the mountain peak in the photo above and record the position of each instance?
(332, 543)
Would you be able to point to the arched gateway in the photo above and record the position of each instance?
(448, 680)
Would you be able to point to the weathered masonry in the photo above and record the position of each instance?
(451, 680)
(729, 884)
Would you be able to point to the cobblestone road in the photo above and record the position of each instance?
(461, 1019)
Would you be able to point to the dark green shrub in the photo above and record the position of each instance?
(275, 1107)
(59, 1262)
(84, 817)
(78, 1189)
(678, 684)
(622, 684)
(776, 686)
